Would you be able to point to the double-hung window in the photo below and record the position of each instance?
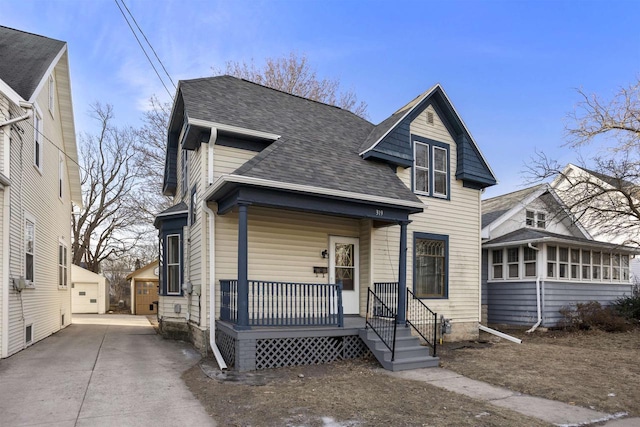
(52, 92)
(530, 257)
(513, 262)
(62, 265)
(430, 168)
(37, 140)
(498, 263)
(185, 171)
(535, 219)
(29, 249)
(430, 265)
(173, 264)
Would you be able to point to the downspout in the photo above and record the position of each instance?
(212, 289)
(534, 327)
(6, 225)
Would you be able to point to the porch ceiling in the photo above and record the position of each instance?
(234, 194)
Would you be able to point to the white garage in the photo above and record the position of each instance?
(88, 291)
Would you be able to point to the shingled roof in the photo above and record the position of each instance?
(319, 143)
(36, 53)
(494, 208)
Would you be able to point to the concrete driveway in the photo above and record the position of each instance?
(103, 370)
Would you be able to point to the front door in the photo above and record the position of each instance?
(344, 265)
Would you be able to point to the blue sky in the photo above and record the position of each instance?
(511, 68)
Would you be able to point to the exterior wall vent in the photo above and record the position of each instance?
(429, 117)
(28, 334)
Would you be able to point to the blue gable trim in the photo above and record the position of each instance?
(396, 147)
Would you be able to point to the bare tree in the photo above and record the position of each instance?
(151, 146)
(604, 192)
(108, 225)
(293, 74)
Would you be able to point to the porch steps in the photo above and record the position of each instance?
(409, 353)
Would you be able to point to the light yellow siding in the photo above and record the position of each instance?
(35, 193)
(228, 159)
(457, 218)
(283, 245)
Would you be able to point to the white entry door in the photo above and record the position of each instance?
(344, 265)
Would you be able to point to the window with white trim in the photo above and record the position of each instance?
(430, 168)
(60, 174)
(498, 263)
(440, 172)
(52, 94)
(530, 257)
(513, 262)
(62, 265)
(29, 249)
(421, 168)
(173, 264)
(37, 140)
(551, 261)
(575, 263)
(535, 219)
(185, 172)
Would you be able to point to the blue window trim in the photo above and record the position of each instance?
(170, 226)
(166, 264)
(431, 143)
(430, 236)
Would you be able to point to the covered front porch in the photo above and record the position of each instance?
(302, 271)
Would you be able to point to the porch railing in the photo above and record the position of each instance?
(285, 303)
(387, 292)
(382, 320)
(423, 320)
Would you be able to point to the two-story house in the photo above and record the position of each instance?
(39, 179)
(296, 223)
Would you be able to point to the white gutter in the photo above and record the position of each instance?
(25, 116)
(212, 288)
(534, 327)
(500, 334)
(239, 179)
(234, 129)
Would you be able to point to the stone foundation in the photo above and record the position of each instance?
(467, 331)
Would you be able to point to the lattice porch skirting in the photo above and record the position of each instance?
(251, 350)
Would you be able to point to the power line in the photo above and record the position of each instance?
(143, 49)
(149, 43)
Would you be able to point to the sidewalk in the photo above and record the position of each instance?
(551, 411)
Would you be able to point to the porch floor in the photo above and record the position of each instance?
(352, 324)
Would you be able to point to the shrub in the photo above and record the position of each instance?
(592, 315)
(629, 307)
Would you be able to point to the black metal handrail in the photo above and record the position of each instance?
(382, 320)
(423, 320)
(388, 294)
(284, 303)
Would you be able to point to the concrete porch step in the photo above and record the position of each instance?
(409, 354)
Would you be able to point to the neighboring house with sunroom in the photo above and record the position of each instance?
(293, 220)
(39, 180)
(538, 258)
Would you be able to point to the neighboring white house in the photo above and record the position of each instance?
(290, 213)
(577, 183)
(89, 291)
(39, 180)
(538, 258)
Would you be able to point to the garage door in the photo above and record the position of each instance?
(146, 295)
(84, 298)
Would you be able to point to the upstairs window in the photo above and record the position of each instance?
(535, 219)
(430, 168)
(37, 141)
(185, 172)
(29, 249)
(52, 94)
(60, 174)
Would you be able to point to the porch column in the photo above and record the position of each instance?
(243, 282)
(402, 275)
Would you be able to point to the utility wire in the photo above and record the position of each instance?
(143, 49)
(149, 43)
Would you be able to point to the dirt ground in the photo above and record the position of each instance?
(590, 369)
